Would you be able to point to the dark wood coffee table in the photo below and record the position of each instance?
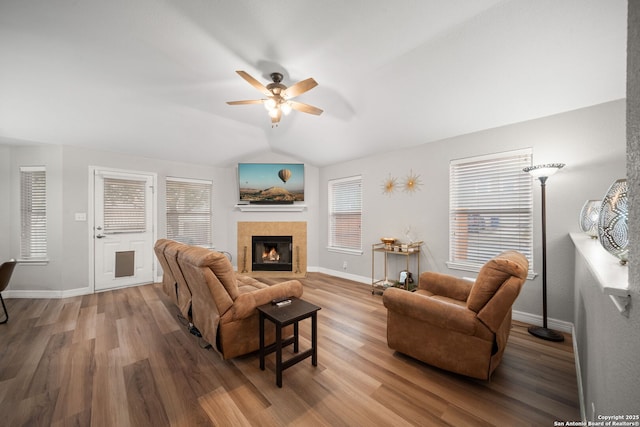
(283, 316)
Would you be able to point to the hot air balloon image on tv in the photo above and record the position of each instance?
(284, 175)
(271, 183)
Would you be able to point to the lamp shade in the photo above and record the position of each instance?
(589, 216)
(613, 230)
(544, 171)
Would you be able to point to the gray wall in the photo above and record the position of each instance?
(5, 210)
(608, 343)
(69, 241)
(67, 194)
(590, 141)
(37, 277)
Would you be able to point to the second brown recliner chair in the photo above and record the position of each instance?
(456, 324)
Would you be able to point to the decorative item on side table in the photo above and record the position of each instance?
(391, 246)
(388, 241)
(542, 172)
(388, 246)
(589, 215)
(613, 230)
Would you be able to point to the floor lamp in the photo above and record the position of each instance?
(542, 172)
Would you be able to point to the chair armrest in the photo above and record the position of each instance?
(245, 305)
(433, 311)
(445, 285)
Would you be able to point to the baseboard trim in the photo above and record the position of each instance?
(42, 294)
(341, 274)
(535, 319)
(532, 319)
(576, 359)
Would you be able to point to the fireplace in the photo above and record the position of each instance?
(294, 230)
(271, 253)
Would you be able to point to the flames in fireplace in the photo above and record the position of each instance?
(270, 255)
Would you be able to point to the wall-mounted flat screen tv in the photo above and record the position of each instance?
(271, 183)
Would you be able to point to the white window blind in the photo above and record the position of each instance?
(189, 211)
(345, 214)
(33, 213)
(490, 208)
(124, 206)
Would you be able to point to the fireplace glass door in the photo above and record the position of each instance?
(272, 253)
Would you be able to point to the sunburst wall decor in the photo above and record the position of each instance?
(389, 185)
(412, 183)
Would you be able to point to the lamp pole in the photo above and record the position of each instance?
(542, 172)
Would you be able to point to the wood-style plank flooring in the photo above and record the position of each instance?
(123, 358)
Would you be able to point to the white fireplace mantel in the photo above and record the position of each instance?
(271, 208)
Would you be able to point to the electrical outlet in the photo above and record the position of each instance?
(344, 265)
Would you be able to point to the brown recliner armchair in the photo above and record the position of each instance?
(173, 281)
(456, 324)
(223, 303)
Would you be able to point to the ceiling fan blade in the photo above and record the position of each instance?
(305, 108)
(255, 83)
(299, 88)
(252, 101)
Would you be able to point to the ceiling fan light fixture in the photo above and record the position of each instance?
(274, 112)
(278, 96)
(270, 104)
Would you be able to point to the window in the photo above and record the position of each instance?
(345, 214)
(124, 206)
(189, 211)
(33, 213)
(490, 208)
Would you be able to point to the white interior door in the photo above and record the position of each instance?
(123, 229)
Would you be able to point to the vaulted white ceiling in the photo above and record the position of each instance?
(151, 77)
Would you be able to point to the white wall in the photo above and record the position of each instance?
(69, 240)
(67, 194)
(5, 211)
(590, 141)
(608, 343)
(41, 277)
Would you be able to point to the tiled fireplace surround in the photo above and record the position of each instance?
(298, 232)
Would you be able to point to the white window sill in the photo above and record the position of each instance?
(33, 261)
(345, 251)
(475, 269)
(612, 277)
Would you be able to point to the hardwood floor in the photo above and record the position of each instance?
(122, 358)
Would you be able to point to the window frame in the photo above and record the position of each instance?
(490, 180)
(332, 186)
(30, 250)
(209, 214)
(124, 205)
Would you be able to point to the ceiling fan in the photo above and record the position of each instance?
(279, 96)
